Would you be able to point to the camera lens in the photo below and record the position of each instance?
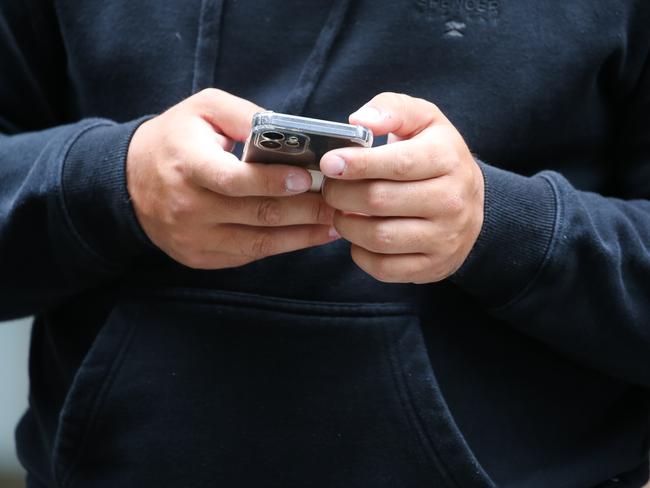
(292, 141)
(274, 136)
(270, 144)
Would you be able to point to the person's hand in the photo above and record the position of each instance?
(204, 207)
(413, 208)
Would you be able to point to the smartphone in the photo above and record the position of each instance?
(300, 141)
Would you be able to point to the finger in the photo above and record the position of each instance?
(261, 242)
(394, 268)
(399, 114)
(211, 260)
(386, 235)
(425, 156)
(225, 143)
(228, 114)
(307, 208)
(383, 198)
(225, 174)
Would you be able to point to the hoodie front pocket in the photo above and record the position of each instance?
(241, 390)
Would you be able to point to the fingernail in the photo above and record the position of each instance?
(332, 165)
(368, 114)
(297, 183)
(333, 233)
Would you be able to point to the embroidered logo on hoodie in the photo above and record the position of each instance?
(458, 14)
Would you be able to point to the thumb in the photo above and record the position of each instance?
(228, 114)
(398, 114)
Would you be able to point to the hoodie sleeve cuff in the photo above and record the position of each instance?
(95, 193)
(518, 227)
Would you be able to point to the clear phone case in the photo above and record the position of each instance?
(300, 141)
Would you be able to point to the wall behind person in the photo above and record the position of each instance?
(14, 345)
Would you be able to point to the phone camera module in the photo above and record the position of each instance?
(272, 135)
(270, 144)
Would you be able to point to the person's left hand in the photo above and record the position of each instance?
(413, 208)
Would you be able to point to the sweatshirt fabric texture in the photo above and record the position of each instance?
(528, 368)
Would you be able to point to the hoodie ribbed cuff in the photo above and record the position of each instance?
(519, 222)
(96, 196)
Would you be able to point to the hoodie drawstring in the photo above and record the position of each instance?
(297, 98)
(207, 44)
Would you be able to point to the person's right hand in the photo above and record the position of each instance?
(204, 207)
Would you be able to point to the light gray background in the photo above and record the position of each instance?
(14, 344)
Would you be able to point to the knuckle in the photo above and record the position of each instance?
(179, 167)
(403, 97)
(446, 163)
(432, 105)
(390, 99)
(378, 197)
(394, 96)
(383, 96)
(382, 238)
(453, 160)
(192, 169)
(262, 245)
(434, 150)
(321, 213)
(426, 104)
(404, 163)
(172, 153)
(403, 100)
(269, 212)
(180, 208)
(225, 181)
(231, 206)
(207, 94)
(452, 203)
(394, 99)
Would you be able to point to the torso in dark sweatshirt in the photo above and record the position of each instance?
(529, 368)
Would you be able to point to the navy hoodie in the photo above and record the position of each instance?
(529, 368)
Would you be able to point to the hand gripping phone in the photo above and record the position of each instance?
(300, 141)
